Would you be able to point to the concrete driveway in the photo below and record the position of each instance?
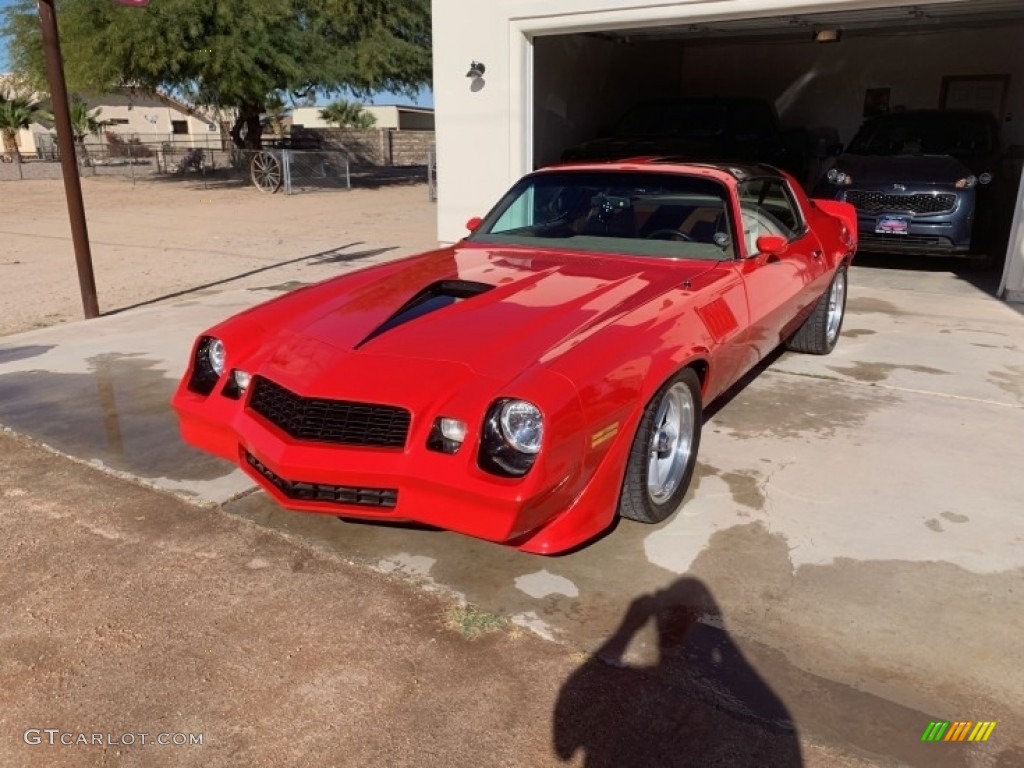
(856, 518)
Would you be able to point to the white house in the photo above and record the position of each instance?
(556, 74)
(153, 117)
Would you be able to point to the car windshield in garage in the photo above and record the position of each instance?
(927, 133)
(631, 213)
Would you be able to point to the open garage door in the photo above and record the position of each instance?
(818, 76)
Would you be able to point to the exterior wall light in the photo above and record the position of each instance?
(476, 70)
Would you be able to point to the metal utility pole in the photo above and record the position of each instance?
(68, 161)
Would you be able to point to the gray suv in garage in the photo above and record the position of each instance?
(923, 181)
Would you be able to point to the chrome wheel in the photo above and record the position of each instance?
(671, 443)
(836, 306)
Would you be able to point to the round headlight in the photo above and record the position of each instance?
(217, 356)
(839, 178)
(968, 182)
(522, 426)
(985, 178)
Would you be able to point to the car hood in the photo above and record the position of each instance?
(932, 170)
(518, 306)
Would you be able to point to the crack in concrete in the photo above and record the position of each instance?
(891, 388)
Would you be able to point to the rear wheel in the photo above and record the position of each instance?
(820, 332)
(664, 451)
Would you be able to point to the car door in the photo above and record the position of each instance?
(780, 285)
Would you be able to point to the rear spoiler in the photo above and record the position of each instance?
(846, 213)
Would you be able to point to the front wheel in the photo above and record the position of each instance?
(820, 332)
(664, 451)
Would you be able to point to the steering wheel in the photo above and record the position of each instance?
(668, 234)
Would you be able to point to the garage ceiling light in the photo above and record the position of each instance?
(828, 35)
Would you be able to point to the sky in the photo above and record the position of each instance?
(424, 98)
(3, 43)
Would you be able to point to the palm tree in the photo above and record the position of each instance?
(16, 114)
(84, 123)
(276, 111)
(346, 114)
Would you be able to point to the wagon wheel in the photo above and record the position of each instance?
(266, 171)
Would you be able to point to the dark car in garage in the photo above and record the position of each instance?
(923, 182)
(720, 129)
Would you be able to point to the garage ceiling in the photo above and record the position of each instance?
(906, 20)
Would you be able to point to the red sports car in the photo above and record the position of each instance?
(539, 377)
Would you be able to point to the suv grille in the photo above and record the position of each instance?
(921, 202)
(337, 494)
(329, 421)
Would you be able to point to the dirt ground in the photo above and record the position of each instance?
(159, 237)
(125, 611)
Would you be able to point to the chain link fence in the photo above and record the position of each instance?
(207, 160)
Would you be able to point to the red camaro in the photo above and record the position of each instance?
(541, 376)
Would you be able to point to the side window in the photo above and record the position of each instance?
(779, 203)
(768, 208)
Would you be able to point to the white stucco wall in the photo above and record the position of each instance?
(309, 117)
(387, 115)
(484, 142)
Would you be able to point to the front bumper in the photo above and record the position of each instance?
(947, 232)
(410, 484)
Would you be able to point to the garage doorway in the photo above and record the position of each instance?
(822, 75)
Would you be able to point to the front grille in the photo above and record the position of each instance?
(919, 202)
(931, 243)
(329, 421)
(336, 494)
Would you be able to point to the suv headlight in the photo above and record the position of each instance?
(839, 178)
(512, 436)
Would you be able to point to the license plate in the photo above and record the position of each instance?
(892, 225)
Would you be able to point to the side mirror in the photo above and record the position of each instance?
(773, 245)
(474, 224)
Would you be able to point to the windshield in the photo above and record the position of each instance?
(624, 212)
(924, 134)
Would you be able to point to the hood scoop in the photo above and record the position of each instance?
(436, 296)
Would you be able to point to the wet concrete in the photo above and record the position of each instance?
(856, 516)
(116, 414)
(874, 372)
(9, 353)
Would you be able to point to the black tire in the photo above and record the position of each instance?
(635, 500)
(817, 336)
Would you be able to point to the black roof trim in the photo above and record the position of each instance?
(737, 170)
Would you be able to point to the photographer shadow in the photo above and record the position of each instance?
(701, 704)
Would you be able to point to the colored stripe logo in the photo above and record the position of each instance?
(959, 730)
